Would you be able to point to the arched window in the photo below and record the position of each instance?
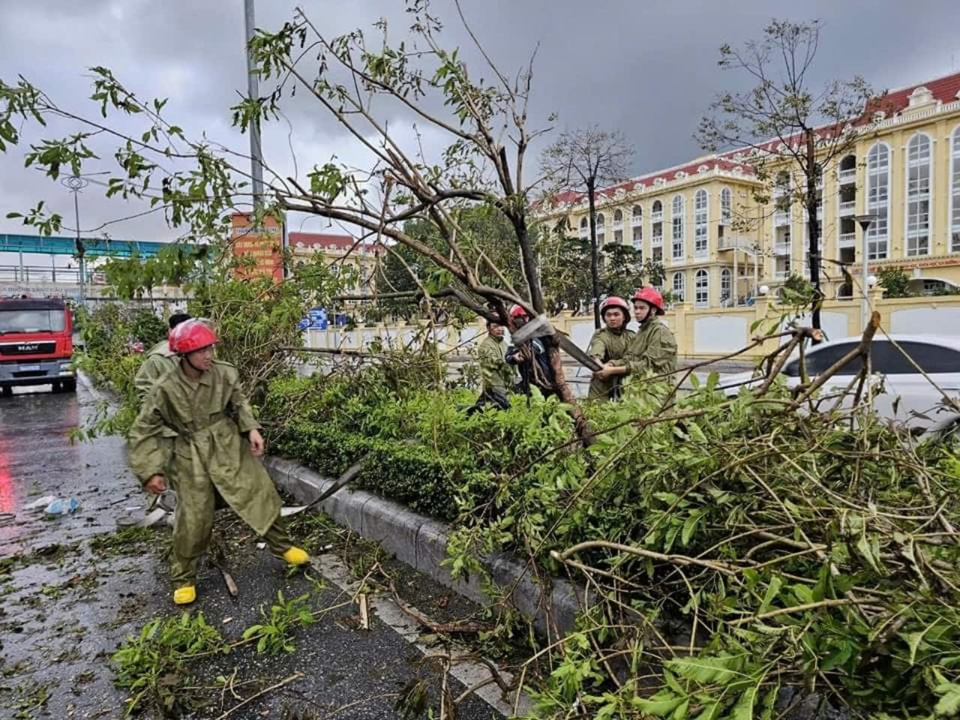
(701, 288)
(726, 284)
(617, 218)
(618, 227)
(700, 227)
(726, 206)
(679, 287)
(584, 229)
(878, 201)
(601, 229)
(955, 192)
(677, 222)
(919, 170)
(637, 217)
(848, 169)
(657, 210)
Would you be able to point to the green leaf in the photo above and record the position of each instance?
(689, 527)
(743, 710)
(773, 589)
(660, 705)
(718, 670)
(949, 703)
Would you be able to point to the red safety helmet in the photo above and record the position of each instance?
(191, 335)
(652, 297)
(517, 312)
(615, 302)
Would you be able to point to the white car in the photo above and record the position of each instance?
(906, 395)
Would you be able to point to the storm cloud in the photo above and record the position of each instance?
(647, 68)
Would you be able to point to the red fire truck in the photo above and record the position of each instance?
(36, 344)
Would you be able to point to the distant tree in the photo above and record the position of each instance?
(785, 123)
(895, 282)
(584, 160)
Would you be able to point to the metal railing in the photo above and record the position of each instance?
(848, 239)
(781, 218)
(847, 176)
(781, 248)
(26, 274)
(848, 208)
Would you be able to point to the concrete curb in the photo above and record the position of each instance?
(421, 542)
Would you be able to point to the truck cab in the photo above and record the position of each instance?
(36, 344)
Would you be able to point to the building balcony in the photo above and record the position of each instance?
(848, 239)
(656, 216)
(781, 248)
(618, 224)
(781, 275)
(781, 218)
(848, 207)
(847, 177)
(636, 220)
(657, 241)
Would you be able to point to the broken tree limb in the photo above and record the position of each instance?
(445, 628)
(348, 477)
(860, 351)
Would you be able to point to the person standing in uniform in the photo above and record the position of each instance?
(497, 375)
(196, 427)
(159, 361)
(531, 360)
(609, 344)
(653, 349)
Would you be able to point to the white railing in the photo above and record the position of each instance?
(781, 275)
(657, 241)
(618, 224)
(781, 248)
(781, 218)
(656, 216)
(636, 220)
(848, 208)
(848, 239)
(847, 176)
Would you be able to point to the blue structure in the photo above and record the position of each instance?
(93, 247)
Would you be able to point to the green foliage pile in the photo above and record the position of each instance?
(155, 665)
(738, 555)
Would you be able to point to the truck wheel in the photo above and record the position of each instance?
(70, 385)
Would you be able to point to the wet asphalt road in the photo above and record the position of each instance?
(68, 600)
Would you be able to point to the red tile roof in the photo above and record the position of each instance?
(944, 90)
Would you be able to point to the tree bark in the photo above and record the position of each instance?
(813, 229)
(594, 252)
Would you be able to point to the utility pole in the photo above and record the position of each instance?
(253, 92)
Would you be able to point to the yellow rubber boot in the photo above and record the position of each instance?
(296, 556)
(185, 595)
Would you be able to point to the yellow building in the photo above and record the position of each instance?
(719, 247)
(340, 250)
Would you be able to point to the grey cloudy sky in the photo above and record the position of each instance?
(646, 67)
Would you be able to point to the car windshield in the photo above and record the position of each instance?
(24, 321)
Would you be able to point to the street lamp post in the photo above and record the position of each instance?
(76, 183)
(864, 221)
(256, 151)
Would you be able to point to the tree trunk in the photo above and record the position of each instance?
(594, 253)
(565, 392)
(813, 228)
(529, 262)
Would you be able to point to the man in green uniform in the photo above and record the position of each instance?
(609, 344)
(498, 377)
(196, 425)
(653, 350)
(159, 361)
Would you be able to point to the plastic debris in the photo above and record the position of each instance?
(40, 503)
(62, 507)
